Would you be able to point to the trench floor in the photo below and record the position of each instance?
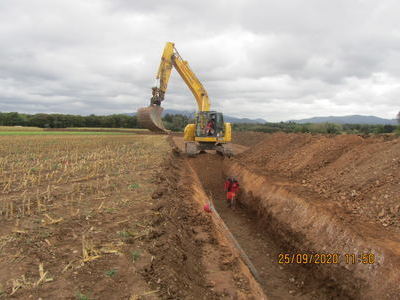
(279, 281)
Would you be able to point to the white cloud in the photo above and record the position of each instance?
(277, 60)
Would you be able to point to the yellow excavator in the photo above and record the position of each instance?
(209, 131)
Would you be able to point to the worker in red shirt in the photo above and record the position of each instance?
(210, 127)
(227, 187)
(232, 192)
(227, 184)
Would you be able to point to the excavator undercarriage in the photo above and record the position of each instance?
(194, 148)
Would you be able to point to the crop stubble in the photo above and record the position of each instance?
(65, 205)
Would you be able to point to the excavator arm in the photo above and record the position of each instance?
(194, 84)
(163, 75)
(150, 117)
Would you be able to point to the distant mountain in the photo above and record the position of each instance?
(231, 119)
(353, 119)
(227, 118)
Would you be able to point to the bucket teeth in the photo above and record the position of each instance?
(150, 118)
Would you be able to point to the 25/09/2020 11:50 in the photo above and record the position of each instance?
(325, 258)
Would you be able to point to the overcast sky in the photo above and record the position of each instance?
(277, 60)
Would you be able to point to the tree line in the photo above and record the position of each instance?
(177, 122)
(64, 121)
(172, 122)
(324, 128)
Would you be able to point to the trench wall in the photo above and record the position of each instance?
(200, 198)
(305, 226)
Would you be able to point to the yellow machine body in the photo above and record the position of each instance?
(194, 134)
(189, 135)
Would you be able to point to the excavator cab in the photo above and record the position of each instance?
(209, 124)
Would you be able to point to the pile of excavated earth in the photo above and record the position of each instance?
(359, 174)
(318, 215)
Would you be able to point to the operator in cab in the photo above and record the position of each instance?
(210, 127)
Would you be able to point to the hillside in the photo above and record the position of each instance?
(351, 119)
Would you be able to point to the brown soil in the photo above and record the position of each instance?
(262, 248)
(289, 169)
(248, 138)
(126, 131)
(151, 241)
(159, 242)
(190, 257)
(359, 174)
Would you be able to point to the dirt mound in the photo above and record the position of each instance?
(176, 260)
(248, 138)
(359, 173)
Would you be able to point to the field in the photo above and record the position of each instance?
(107, 217)
(13, 133)
(20, 130)
(66, 204)
(121, 216)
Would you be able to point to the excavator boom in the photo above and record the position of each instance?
(150, 117)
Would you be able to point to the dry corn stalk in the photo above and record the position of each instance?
(18, 283)
(89, 253)
(42, 276)
(51, 220)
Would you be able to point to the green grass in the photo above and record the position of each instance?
(125, 234)
(61, 133)
(135, 255)
(80, 296)
(133, 186)
(105, 128)
(111, 273)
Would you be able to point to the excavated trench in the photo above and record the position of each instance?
(276, 217)
(270, 221)
(279, 281)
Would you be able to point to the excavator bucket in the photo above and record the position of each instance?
(150, 118)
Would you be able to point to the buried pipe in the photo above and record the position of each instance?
(240, 250)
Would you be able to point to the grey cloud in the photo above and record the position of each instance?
(275, 60)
